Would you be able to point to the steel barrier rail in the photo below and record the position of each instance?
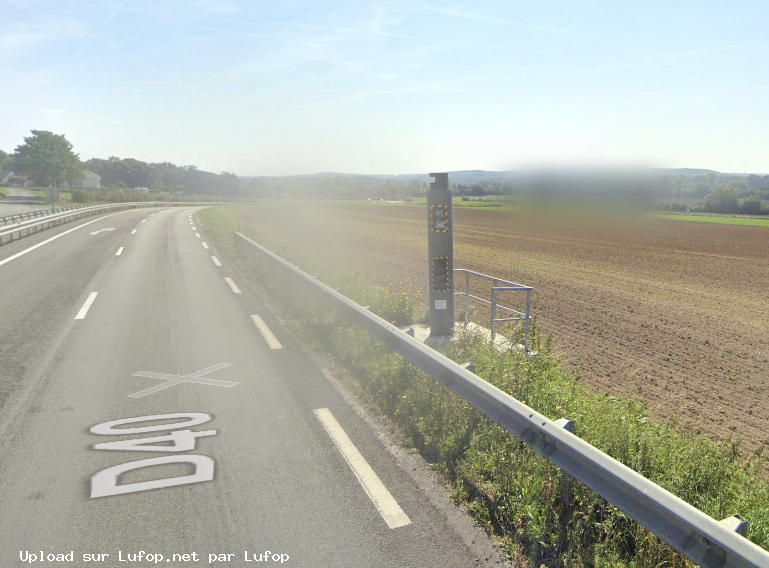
(46, 215)
(707, 542)
(19, 217)
(30, 227)
(30, 215)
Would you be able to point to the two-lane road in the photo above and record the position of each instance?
(265, 454)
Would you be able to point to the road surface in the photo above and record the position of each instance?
(269, 455)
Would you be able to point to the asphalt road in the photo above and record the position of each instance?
(77, 321)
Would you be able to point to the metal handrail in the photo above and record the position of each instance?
(704, 540)
(524, 316)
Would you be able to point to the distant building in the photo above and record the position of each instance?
(142, 190)
(10, 178)
(90, 181)
(20, 180)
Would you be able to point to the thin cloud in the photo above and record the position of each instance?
(453, 12)
(232, 32)
(661, 57)
(104, 23)
(152, 83)
(349, 31)
(112, 15)
(333, 99)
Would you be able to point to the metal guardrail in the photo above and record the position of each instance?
(707, 542)
(26, 228)
(29, 215)
(524, 316)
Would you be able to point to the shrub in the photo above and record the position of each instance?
(80, 196)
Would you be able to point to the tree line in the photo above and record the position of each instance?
(49, 159)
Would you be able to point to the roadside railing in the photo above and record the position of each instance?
(26, 228)
(29, 215)
(704, 540)
(31, 226)
(507, 286)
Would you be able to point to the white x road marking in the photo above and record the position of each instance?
(172, 380)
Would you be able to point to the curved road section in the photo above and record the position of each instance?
(152, 410)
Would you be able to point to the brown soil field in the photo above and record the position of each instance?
(672, 313)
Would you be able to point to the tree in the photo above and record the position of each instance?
(75, 173)
(751, 206)
(6, 161)
(46, 157)
(723, 200)
(229, 184)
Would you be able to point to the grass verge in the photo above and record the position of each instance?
(511, 490)
(714, 219)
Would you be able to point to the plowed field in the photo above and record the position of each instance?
(673, 313)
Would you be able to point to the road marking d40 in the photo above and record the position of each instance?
(105, 482)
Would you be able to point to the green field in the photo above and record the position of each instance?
(720, 220)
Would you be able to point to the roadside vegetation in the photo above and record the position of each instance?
(751, 222)
(508, 488)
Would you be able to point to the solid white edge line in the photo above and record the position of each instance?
(385, 503)
(205, 246)
(269, 337)
(86, 306)
(53, 238)
(119, 251)
(216, 261)
(232, 285)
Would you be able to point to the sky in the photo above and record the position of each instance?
(283, 87)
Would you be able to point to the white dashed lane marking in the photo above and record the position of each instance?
(86, 306)
(269, 337)
(232, 285)
(384, 502)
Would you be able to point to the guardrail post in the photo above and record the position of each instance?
(467, 298)
(494, 310)
(440, 255)
(526, 322)
(737, 524)
(566, 495)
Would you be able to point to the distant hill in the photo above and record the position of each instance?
(475, 176)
